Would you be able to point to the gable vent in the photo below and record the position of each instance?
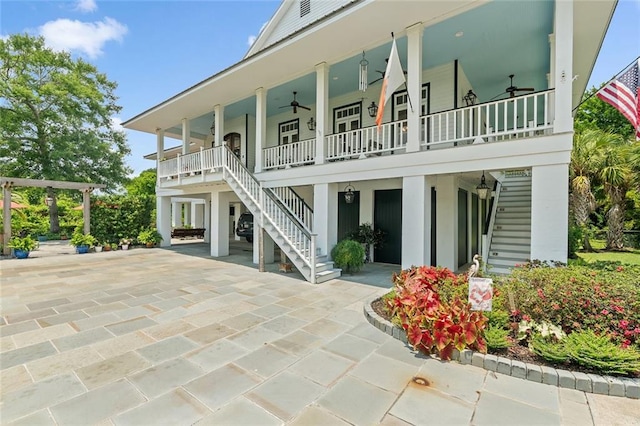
(305, 7)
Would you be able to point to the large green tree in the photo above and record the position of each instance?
(56, 118)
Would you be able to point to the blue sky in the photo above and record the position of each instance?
(155, 49)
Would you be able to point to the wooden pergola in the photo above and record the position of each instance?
(10, 182)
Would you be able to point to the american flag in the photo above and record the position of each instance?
(623, 94)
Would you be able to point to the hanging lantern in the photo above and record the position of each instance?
(364, 64)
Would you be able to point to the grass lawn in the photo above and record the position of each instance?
(631, 256)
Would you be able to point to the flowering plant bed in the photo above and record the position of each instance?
(583, 318)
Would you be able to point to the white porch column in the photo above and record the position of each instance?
(261, 126)
(86, 209)
(269, 245)
(322, 109)
(6, 217)
(218, 111)
(207, 219)
(159, 148)
(163, 219)
(186, 135)
(176, 214)
(236, 217)
(220, 224)
(416, 221)
(414, 86)
(197, 212)
(188, 217)
(563, 72)
(447, 220)
(325, 216)
(549, 212)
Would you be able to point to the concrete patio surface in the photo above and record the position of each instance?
(157, 336)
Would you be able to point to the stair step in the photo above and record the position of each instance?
(509, 254)
(512, 233)
(513, 215)
(511, 204)
(325, 266)
(501, 239)
(511, 227)
(511, 208)
(328, 275)
(519, 248)
(509, 263)
(498, 270)
(502, 220)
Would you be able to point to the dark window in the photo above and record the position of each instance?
(305, 7)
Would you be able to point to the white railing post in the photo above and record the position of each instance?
(312, 259)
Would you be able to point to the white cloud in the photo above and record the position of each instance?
(252, 38)
(116, 124)
(86, 6)
(84, 37)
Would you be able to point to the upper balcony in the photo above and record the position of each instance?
(517, 118)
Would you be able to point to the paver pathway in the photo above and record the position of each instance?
(150, 337)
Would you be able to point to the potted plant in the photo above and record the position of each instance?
(106, 246)
(368, 237)
(98, 247)
(22, 246)
(114, 247)
(124, 243)
(150, 237)
(82, 242)
(348, 255)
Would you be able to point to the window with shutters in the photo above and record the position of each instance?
(289, 132)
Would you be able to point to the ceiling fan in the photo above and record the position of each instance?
(511, 90)
(382, 73)
(295, 104)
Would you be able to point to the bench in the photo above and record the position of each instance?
(187, 232)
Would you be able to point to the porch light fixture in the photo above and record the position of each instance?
(311, 124)
(482, 189)
(364, 64)
(349, 195)
(373, 109)
(470, 98)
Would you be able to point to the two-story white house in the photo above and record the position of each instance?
(289, 134)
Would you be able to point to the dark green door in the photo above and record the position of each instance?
(348, 215)
(387, 216)
(433, 227)
(475, 234)
(463, 222)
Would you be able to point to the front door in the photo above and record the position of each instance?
(387, 217)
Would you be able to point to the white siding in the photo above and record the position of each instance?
(292, 22)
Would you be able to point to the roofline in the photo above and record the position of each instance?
(267, 30)
(244, 60)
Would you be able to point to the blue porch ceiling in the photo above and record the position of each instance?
(499, 38)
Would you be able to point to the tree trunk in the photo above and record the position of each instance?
(586, 244)
(54, 221)
(615, 223)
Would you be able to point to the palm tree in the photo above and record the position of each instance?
(583, 171)
(617, 177)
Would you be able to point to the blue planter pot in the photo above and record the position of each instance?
(42, 238)
(82, 249)
(21, 254)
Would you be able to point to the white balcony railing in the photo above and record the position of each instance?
(292, 154)
(510, 118)
(368, 141)
(505, 119)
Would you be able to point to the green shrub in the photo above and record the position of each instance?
(496, 337)
(604, 298)
(549, 349)
(497, 318)
(80, 239)
(600, 354)
(348, 255)
(575, 240)
(26, 244)
(149, 236)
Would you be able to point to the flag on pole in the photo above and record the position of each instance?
(623, 94)
(393, 78)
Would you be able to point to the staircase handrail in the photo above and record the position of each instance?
(300, 239)
(295, 204)
(492, 219)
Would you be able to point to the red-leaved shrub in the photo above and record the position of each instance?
(432, 311)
